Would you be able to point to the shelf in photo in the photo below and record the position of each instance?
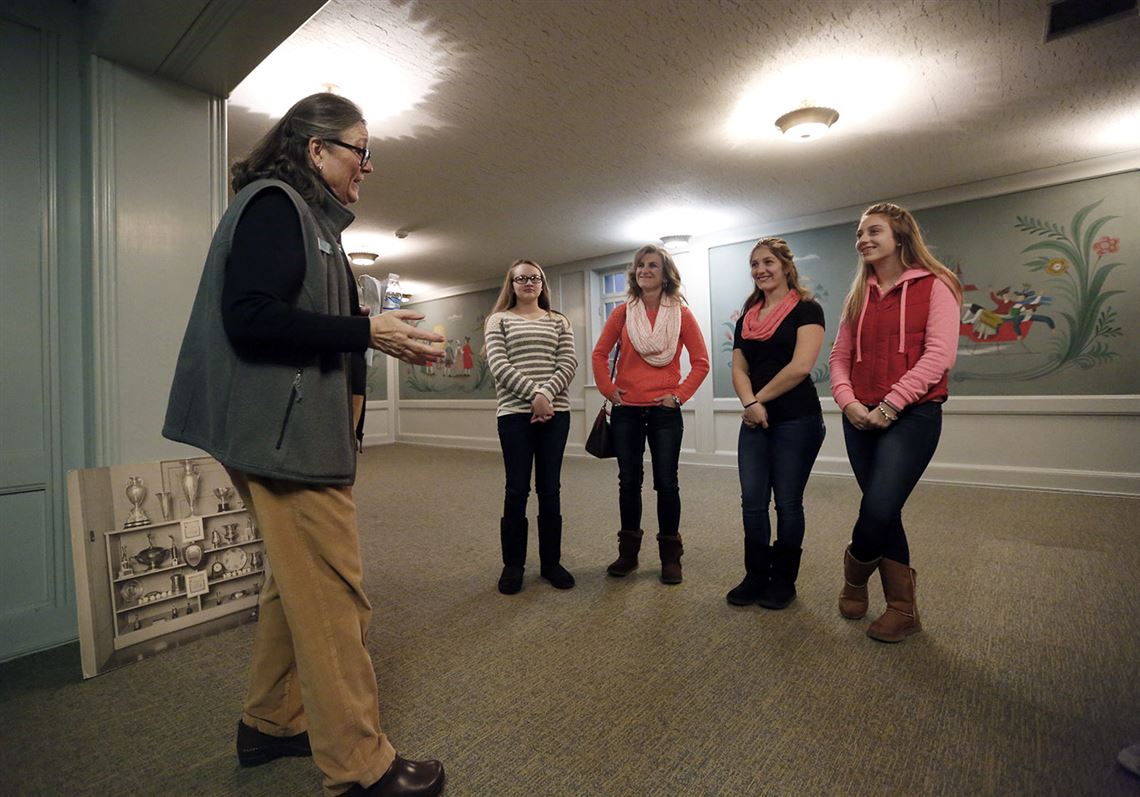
(162, 627)
(173, 522)
(134, 607)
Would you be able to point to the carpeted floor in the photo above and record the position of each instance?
(1026, 680)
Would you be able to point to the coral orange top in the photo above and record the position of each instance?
(641, 381)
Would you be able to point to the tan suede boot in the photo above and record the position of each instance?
(853, 597)
(900, 620)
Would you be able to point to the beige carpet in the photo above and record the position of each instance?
(1026, 680)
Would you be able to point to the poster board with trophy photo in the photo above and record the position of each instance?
(164, 552)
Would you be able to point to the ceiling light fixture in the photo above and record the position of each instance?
(362, 258)
(675, 243)
(805, 124)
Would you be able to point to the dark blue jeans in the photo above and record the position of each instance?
(777, 461)
(888, 464)
(663, 427)
(542, 444)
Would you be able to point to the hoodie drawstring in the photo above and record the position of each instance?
(902, 320)
(859, 326)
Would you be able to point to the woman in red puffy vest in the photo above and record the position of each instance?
(898, 337)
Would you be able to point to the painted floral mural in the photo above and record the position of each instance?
(1072, 261)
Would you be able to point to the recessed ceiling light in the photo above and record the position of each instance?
(804, 124)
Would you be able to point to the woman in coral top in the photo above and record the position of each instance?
(898, 338)
(647, 393)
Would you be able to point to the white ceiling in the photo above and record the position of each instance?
(547, 128)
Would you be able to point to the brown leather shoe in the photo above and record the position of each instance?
(255, 748)
(853, 596)
(900, 620)
(405, 778)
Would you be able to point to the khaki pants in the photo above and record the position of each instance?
(311, 670)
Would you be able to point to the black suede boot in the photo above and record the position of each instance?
(629, 544)
(512, 536)
(757, 567)
(550, 552)
(670, 548)
(781, 589)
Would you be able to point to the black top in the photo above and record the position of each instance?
(264, 274)
(766, 358)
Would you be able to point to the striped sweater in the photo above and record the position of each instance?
(528, 357)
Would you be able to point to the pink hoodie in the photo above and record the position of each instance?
(939, 347)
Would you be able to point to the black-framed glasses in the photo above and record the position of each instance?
(364, 153)
(533, 279)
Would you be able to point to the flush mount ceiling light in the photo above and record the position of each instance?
(804, 124)
(362, 258)
(675, 243)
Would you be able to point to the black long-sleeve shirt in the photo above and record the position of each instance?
(264, 274)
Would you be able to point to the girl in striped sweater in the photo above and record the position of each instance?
(530, 351)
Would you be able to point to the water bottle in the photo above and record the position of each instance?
(392, 293)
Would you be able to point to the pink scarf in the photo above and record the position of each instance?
(756, 329)
(656, 343)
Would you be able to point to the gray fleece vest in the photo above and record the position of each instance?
(285, 417)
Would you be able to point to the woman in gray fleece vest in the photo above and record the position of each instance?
(262, 383)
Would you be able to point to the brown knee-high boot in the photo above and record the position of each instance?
(629, 544)
(900, 620)
(670, 548)
(853, 597)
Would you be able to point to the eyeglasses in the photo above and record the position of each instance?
(364, 153)
(534, 279)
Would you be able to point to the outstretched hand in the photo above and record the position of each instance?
(392, 335)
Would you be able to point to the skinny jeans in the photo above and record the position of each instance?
(777, 461)
(888, 464)
(539, 444)
(662, 427)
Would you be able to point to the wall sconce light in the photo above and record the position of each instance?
(675, 243)
(805, 124)
(362, 258)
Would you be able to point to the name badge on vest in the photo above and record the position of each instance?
(325, 246)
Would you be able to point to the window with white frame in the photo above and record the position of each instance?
(613, 291)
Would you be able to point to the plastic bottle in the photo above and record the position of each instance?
(392, 293)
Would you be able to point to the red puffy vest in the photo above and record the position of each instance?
(883, 364)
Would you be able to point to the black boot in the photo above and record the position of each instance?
(550, 552)
(512, 536)
(629, 544)
(670, 547)
(757, 567)
(782, 588)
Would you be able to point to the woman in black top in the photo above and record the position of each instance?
(777, 341)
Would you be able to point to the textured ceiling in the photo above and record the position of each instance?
(547, 128)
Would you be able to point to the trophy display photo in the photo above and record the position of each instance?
(154, 568)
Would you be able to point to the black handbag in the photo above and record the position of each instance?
(600, 442)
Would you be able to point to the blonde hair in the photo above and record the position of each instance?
(914, 254)
(782, 252)
(507, 297)
(671, 276)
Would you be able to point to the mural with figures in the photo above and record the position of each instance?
(1049, 279)
(463, 371)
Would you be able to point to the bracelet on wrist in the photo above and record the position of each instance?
(890, 418)
(890, 406)
(676, 399)
(749, 404)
